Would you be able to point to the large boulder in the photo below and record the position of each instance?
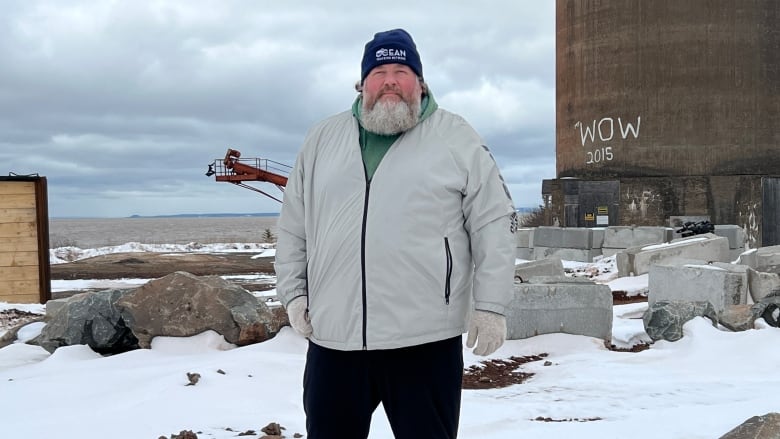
(664, 319)
(182, 305)
(739, 317)
(757, 427)
(91, 319)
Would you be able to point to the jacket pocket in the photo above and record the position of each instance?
(448, 255)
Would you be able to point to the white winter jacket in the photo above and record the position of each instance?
(402, 259)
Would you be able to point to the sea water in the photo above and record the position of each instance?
(101, 232)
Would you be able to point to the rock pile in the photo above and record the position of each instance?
(177, 305)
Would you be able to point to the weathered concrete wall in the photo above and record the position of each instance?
(652, 201)
(679, 101)
(723, 200)
(667, 88)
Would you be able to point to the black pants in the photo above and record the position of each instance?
(419, 387)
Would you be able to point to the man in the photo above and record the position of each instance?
(396, 228)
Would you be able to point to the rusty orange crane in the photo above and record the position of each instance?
(234, 169)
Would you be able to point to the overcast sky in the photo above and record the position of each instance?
(123, 104)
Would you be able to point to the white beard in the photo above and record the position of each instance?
(389, 118)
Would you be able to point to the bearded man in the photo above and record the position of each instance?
(395, 237)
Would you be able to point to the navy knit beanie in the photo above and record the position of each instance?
(389, 47)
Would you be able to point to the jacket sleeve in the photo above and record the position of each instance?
(291, 257)
(493, 251)
(491, 221)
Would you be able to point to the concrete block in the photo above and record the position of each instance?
(748, 257)
(524, 253)
(571, 306)
(567, 254)
(563, 237)
(734, 233)
(524, 238)
(734, 254)
(768, 259)
(547, 237)
(762, 284)
(706, 247)
(543, 267)
(624, 262)
(765, 259)
(622, 237)
(720, 284)
(598, 237)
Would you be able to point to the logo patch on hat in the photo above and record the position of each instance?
(391, 55)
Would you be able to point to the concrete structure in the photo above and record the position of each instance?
(560, 304)
(584, 244)
(638, 260)
(544, 267)
(736, 237)
(569, 243)
(666, 111)
(619, 238)
(766, 259)
(720, 284)
(525, 246)
(761, 284)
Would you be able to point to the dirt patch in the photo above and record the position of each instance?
(635, 348)
(494, 374)
(622, 298)
(548, 419)
(153, 265)
(14, 317)
(150, 265)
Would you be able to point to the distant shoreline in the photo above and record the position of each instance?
(521, 210)
(178, 215)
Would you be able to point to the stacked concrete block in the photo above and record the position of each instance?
(543, 267)
(568, 243)
(598, 237)
(525, 248)
(619, 238)
(736, 236)
(547, 305)
(764, 259)
(706, 247)
(584, 244)
(721, 284)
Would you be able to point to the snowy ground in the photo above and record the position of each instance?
(699, 387)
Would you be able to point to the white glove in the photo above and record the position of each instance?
(489, 328)
(299, 316)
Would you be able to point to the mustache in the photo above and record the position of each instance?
(389, 92)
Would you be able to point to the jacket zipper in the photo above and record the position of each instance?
(449, 270)
(363, 261)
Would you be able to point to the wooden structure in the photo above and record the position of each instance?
(25, 275)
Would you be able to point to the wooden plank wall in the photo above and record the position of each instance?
(19, 245)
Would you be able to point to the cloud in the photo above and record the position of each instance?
(122, 105)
